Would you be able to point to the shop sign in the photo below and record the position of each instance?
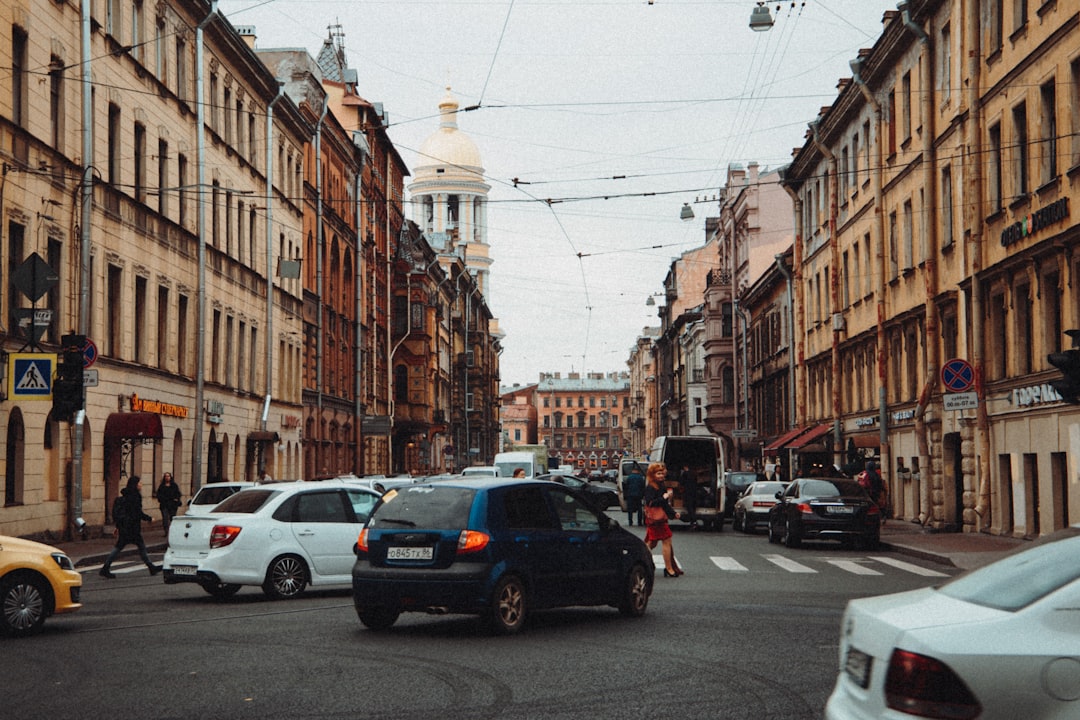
(866, 421)
(1030, 224)
(1034, 395)
(903, 415)
(290, 421)
(157, 407)
(961, 401)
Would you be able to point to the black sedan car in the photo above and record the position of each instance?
(495, 547)
(824, 509)
(601, 492)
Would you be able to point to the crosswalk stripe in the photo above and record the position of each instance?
(729, 564)
(900, 564)
(788, 564)
(853, 566)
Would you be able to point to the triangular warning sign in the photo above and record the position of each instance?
(32, 379)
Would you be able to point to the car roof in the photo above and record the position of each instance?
(474, 482)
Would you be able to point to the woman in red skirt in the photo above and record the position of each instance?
(658, 531)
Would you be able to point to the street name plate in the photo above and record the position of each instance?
(961, 401)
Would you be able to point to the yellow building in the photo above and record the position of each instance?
(933, 258)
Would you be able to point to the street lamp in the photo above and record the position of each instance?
(760, 19)
(687, 212)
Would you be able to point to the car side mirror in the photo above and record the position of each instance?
(779, 494)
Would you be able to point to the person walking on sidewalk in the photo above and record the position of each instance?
(168, 497)
(128, 517)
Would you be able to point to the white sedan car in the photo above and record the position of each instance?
(754, 504)
(999, 643)
(281, 537)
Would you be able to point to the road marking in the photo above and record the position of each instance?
(729, 564)
(853, 566)
(789, 565)
(909, 567)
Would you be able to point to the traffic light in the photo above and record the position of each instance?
(1068, 362)
(68, 386)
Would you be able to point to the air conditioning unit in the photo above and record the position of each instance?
(838, 322)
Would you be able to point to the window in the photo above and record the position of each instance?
(139, 308)
(16, 233)
(945, 63)
(56, 103)
(946, 207)
(137, 31)
(163, 177)
(905, 107)
(163, 327)
(18, 76)
(181, 181)
(994, 27)
(1074, 112)
(181, 68)
(214, 375)
(52, 298)
(115, 153)
(1024, 334)
(854, 180)
(1020, 12)
(845, 288)
(241, 356)
(140, 162)
(844, 174)
(1048, 131)
(998, 337)
(993, 175)
(182, 335)
(215, 214)
(892, 122)
(866, 148)
(113, 312)
(226, 110)
(229, 357)
(1020, 151)
(856, 281)
(1053, 336)
(909, 232)
(894, 267)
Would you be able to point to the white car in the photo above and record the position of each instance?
(754, 504)
(281, 537)
(481, 471)
(209, 495)
(999, 643)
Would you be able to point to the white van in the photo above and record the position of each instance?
(526, 460)
(481, 471)
(706, 457)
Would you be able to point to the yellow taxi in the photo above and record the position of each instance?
(36, 581)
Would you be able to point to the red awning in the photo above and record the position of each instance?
(786, 437)
(866, 440)
(133, 425)
(809, 436)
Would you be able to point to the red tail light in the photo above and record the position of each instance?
(223, 535)
(764, 503)
(470, 541)
(804, 508)
(920, 685)
(873, 510)
(361, 542)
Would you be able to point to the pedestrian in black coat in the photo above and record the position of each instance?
(128, 517)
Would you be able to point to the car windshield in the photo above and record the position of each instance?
(767, 488)
(245, 501)
(740, 479)
(423, 506)
(212, 495)
(1018, 580)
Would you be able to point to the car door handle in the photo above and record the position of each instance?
(306, 533)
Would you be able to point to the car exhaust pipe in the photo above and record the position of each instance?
(437, 610)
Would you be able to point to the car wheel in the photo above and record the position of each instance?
(737, 522)
(377, 618)
(747, 525)
(221, 590)
(773, 537)
(24, 604)
(286, 578)
(508, 606)
(635, 593)
(791, 538)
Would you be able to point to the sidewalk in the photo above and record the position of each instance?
(960, 550)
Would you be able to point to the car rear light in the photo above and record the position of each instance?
(223, 535)
(470, 541)
(804, 508)
(764, 503)
(873, 510)
(361, 542)
(920, 685)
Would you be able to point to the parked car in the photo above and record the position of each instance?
(209, 495)
(481, 470)
(735, 482)
(824, 509)
(602, 493)
(36, 581)
(754, 504)
(996, 643)
(281, 537)
(499, 548)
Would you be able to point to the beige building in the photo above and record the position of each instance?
(166, 257)
(933, 250)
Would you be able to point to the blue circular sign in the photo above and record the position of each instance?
(90, 353)
(957, 375)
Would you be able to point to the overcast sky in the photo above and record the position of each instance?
(610, 114)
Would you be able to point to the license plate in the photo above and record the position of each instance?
(409, 553)
(839, 510)
(185, 570)
(857, 666)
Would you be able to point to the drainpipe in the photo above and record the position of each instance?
(200, 360)
(358, 349)
(745, 373)
(930, 276)
(320, 239)
(269, 264)
(834, 293)
(84, 239)
(796, 352)
(879, 252)
(974, 222)
(786, 272)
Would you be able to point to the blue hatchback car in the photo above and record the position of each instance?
(499, 548)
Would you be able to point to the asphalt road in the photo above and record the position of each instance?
(744, 634)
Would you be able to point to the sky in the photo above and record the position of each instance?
(597, 121)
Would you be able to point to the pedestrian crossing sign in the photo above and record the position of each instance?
(30, 376)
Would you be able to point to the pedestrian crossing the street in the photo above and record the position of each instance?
(875, 565)
(122, 567)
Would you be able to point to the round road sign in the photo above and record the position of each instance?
(957, 375)
(90, 353)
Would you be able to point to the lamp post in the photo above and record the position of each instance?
(760, 19)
